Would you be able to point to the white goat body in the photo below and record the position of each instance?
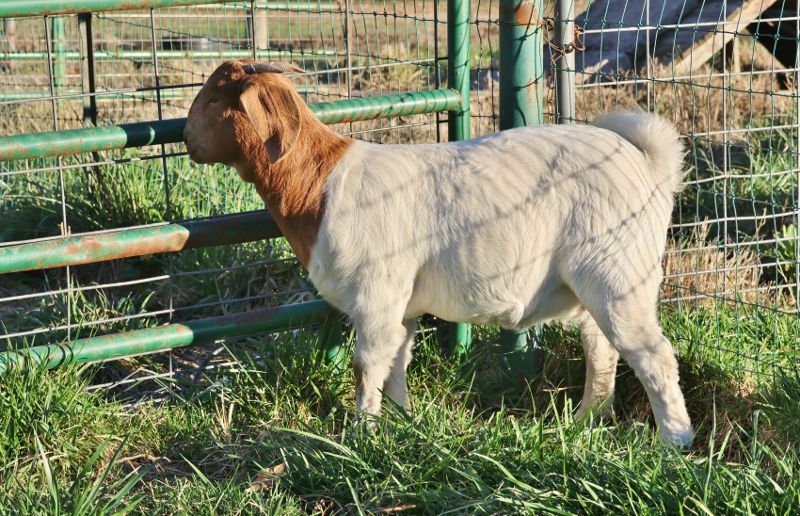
(514, 228)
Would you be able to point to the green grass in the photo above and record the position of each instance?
(470, 445)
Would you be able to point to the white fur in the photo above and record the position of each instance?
(514, 228)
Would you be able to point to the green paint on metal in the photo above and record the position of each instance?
(146, 55)
(461, 339)
(169, 238)
(521, 357)
(59, 66)
(521, 63)
(90, 139)
(388, 106)
(521, 90)
(17, 8)
(331, 337)
(138, 342)
(94, 139)
(301, 6)
(458, 67)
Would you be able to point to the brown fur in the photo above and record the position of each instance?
(258, 124)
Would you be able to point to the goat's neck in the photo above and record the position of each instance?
(294, 187)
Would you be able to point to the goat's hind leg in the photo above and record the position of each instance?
(628, 318)
(601, 369)
(651, 356)
(396, 386)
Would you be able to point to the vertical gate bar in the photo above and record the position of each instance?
(88, 84)
(51, 73)
(458, 59)
(521, 91)
(797, 171)
(163, 148)
(565, 63)
(650, 57)
(437, 78)
(59, 43)
(348, 51)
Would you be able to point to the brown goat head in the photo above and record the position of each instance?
(246, 111)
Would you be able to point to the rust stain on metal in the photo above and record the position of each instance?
(522, 13)
(531, 90)
(525, 13)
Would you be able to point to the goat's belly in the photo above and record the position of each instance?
(495, 303)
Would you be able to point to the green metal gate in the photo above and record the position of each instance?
(51, 148)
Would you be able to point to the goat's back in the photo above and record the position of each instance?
(505, 213)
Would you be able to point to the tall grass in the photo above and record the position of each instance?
(470, 444)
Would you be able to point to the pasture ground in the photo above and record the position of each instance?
(277, 436)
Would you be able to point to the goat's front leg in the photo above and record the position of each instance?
(379, 340)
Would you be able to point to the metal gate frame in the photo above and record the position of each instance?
(521, 104)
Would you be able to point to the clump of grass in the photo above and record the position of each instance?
(60, 446)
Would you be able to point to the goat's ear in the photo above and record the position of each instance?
(274, 113)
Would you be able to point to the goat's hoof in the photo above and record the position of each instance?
(679, 438)
(366, 421)
(599, 411)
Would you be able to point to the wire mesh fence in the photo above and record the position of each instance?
(724, 72)
(148, 65)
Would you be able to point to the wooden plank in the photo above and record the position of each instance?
(696, 56)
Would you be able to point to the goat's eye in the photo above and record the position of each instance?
(213, 100)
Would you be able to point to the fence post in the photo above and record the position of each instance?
(565, 61)
(88, 85)
(458, 58)
(521, 90)
(331, 339)
(257, 28)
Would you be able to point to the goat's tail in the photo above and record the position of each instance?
(656, 138)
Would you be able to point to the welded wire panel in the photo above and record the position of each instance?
(725, 73)
(149, 65)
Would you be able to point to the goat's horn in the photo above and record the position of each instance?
(272, 68)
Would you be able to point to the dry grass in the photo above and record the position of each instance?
(698, 270)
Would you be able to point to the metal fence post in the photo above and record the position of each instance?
(565, 61)
(458, 59)
(87, 69)
(521, 90)
(521, 67)
(331, 339)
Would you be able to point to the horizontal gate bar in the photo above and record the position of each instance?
(168, 238)
(140, 94)
(18, 8)
(14, 8)
(108, 55)
(161, 338)
(93, 139)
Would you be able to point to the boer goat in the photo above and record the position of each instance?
(513, 229)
